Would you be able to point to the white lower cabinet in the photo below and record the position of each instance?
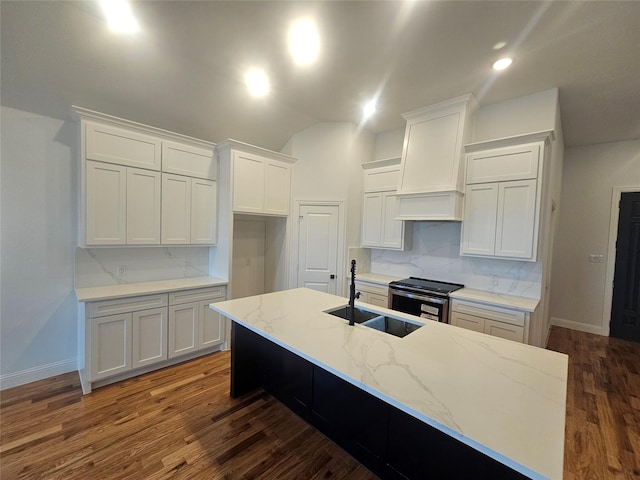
(110, 345)
(129, 333)
(149, 337)
(493, 320)
(373, 294)
(192, 324)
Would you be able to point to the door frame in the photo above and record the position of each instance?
(295, 240)
(611, 255)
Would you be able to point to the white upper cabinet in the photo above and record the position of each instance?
(106, 203)
(248, 183)
(277, 188)
(143, 207)
(107, 143)
(503, 197)
(204, 196)
(123, 188)
(189, 160)
(518, 162)
(380, 229)
(260, 179)
(176, 209)
(431, 175)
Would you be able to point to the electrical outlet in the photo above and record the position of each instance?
(594, 258)
(122, 270)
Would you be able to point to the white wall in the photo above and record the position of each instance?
(388, 144)
(590, 174)
(38, 307)
(329, 168)
(517, 116)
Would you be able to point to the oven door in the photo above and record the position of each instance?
(423, 305)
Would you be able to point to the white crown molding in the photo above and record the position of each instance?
(231, 144)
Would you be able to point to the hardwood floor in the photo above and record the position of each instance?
(180, 422)
(176, 423)
(603, 406)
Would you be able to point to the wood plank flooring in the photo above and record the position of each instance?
(602, 434)
(180, 422)
(176, 423)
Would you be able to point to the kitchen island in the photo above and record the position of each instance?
(460, 396)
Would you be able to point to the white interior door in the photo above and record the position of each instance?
(318, 247)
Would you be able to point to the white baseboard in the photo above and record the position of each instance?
(37, 373)
(583, 327)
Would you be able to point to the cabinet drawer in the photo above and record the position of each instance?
(124, 147)
(370, 288)
(470, 322)
(382, 179)
(504, 330)
(499, 314)
(129, 304)
(196, 295)
(188, 160)
(502, 164)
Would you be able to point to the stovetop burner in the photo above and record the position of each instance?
(427, 285)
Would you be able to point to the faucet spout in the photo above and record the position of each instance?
(352, 294)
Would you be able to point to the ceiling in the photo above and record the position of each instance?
(183, 71)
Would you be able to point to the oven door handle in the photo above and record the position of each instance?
(439, 301)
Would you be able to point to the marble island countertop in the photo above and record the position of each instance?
(107, 292)
(502, 398)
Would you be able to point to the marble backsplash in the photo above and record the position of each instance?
(435, 254)
(101, 266)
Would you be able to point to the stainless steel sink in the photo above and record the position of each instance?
(383, 323)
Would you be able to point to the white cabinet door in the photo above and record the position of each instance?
(211, 329)
(504, 330)
(106, 143)
(176, 209)
(479, 226)
(470, 322)
(204, 213)
(248, 183)
(392, 229)
(149, 337)
(143, 207)
(519, 162)
(277, 189)
(106, 203)
(188, 160)
(516, 219)
(377, 300)
(372, 218)
(110, 345)
(183, 328)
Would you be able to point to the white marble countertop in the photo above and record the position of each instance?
(382, 280)
(498, 299)
(504, 398)
(106, 292)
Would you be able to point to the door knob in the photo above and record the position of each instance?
(332, 276)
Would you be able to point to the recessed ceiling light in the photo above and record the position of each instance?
(502, 63)
(304, 42)
(119, 16)
(369, 108)
(257, 82)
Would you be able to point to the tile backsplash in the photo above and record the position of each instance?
(104, 266)
(435, 255)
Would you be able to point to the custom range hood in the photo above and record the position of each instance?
(432, 166)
